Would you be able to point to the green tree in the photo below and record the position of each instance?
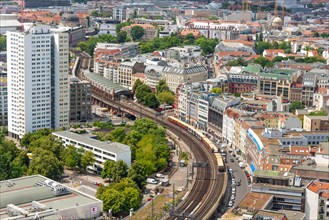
(137, 32)
(162, 86)
(117, 135)
(95, 13)
(87, 159)
(119, 170)
(216, 90)
(151, 100)
(296, 105)
(107, 171)
(141, 92)
(114, 200)
(189, 39)
(322, 112)
(122, 36)
(264, 62)
(137, 83)
(71, 157)
(121, 25)
(131, 140)
(13, 164)
(166, 97)
(237, 62)
(115, 171)
(45, 163)
(120, 197)
(144, 126)
(207, 45)
(138, 174)
(3, 43)
(132, 198)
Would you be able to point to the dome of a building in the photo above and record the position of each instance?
(277, 23)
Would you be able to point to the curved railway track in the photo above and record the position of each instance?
(209, 187)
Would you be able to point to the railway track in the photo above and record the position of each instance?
(207, 191)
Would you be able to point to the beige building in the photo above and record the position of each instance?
(150, 31)
(134, 77)
(176, 76)
(316, 123)
(126, 70)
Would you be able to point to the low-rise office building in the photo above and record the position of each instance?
(102, 150)
(37, 197)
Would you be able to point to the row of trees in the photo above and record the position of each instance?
(48, 156)
(150, 153)
(207, 45)
(89, 45)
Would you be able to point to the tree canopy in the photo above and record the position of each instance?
(115, 171)
(137, 32)
(295, 105)
(3, 43)
(264, 62)
(89, 45)
(120, 197)
(319, 113)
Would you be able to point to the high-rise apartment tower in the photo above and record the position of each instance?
(38, 84)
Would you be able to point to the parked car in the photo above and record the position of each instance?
(159, 175)
(230, 204)
(232, 160)
(151, 181)
(230, 170)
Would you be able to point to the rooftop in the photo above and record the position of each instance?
(90, 140)
(272, 173)
(316, 186)
(255, 200)
(22, 191)
(105, 83)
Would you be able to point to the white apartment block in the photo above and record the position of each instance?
(102, 150)
(37, 80)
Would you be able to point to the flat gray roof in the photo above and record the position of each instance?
(103, 82)
(90, 140)
(23, 192)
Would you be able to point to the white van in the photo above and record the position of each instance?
(241, 165)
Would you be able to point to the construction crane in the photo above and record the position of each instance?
(243, 4)
(259, 9)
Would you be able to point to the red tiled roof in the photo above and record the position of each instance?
(316, 186)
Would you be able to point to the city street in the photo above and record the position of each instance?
(239, 175)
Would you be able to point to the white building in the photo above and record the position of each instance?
(9, 22)
(228, 130)
(38, 84)
(102, 150)
(317, 200)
